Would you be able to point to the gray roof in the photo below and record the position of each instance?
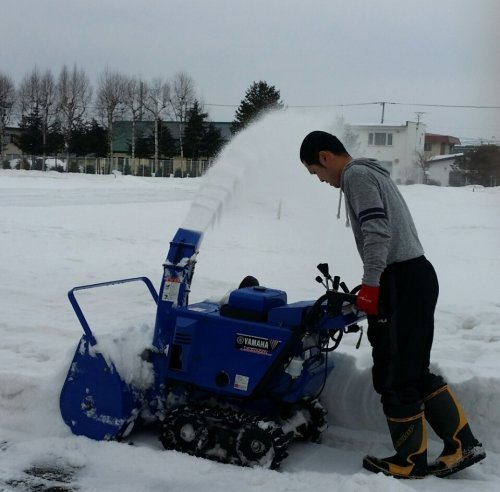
(445, 157)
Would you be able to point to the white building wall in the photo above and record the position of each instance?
(401, 157)
(440, 172)
(439, 168)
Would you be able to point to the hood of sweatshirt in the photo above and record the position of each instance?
(364, 161)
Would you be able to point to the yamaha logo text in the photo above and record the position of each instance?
(258, 345)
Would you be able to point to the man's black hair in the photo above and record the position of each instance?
(317, 141)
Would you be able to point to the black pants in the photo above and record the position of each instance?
(401, 336)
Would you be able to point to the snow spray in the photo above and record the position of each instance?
(260, 166)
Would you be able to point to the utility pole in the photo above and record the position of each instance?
(383, 103)
(419, 114)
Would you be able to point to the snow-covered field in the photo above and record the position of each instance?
(262, 215)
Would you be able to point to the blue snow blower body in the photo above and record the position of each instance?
(236, 381)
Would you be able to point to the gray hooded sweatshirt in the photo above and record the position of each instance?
(381, 222)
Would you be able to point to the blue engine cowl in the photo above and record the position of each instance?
(243, 349)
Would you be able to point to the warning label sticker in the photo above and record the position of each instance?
(241, 382)
(171, 289)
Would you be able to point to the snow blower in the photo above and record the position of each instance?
(235, 382)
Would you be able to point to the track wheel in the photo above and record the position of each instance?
(255, 446)
(187, 433)
(317, 420)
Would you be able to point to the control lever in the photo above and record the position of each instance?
(354, 328)
(320, 281)
(336, 281)
(323, 268)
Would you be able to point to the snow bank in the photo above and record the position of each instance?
(272, 221)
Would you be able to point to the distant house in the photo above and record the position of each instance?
(397, 147)
(442, 170)
(439, 145)
(11, 134)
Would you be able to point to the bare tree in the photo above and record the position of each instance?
(422, 163)
(156, 101)
(7, 102)
(29, 93)
(73, 96)
(110, 98)
(37, 96)
(134, 101)
(48, 109)
(181, 99)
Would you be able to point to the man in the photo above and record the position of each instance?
(398, 293)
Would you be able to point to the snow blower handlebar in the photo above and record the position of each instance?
(79, 312)
(335, 312)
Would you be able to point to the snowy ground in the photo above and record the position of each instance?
(262, 215)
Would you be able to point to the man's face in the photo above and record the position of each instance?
(327, 171)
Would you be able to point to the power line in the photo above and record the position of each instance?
(300, 106)
(312, 106)
(460, 106)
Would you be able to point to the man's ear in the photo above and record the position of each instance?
(323, 157)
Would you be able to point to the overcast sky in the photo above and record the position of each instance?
(316, 52)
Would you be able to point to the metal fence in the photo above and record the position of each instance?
(104, 165)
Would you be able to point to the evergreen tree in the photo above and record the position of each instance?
(259, 97)
(55, 139)
(97, 136)
(145, 146)
(194, 132)
(31, 139)
(212, 141)
(77, 141)
(482, 165)
(89, 139)
(168, 146)
(201, 138)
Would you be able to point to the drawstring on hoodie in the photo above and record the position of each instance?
(347, 223)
